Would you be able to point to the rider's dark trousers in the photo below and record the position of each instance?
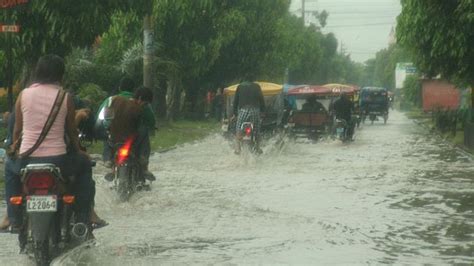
(108, 152)
(143, 146)
(78, 167)
(12, 185)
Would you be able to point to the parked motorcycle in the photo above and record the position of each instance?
(48, 224)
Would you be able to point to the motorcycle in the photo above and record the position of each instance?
(48, 223)
(128, 173)
(342, 130)
(249, 138)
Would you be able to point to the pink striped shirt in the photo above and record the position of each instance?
(36, 104)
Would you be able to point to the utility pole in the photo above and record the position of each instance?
(342, 48)
(148, 52)
(303, 2)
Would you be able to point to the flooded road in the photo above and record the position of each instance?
(394, 196)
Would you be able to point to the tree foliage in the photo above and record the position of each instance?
(441, 36)
(200, 44)
(412, 89)
(380, 71)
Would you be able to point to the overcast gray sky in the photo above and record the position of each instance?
(362, 26)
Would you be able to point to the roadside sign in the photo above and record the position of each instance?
(9, 28)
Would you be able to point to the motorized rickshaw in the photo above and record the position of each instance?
(274, 108)
(309, 116)
(374, 102)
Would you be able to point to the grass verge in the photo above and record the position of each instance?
(170, 135)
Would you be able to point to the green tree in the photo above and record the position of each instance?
(124, 32)
(412, 90)
(441, 35)
(380, 71)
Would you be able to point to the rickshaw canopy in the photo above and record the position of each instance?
(342, 88)
(310, 90)
(374, 89)
(268, 89)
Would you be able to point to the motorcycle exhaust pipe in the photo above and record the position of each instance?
(79, 231)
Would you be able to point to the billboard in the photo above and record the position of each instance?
(402, 70)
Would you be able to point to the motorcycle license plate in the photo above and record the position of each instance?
(41, 203)
(339, 130)
(247, 138)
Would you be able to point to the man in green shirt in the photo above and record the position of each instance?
(146, 123)
(125, 90)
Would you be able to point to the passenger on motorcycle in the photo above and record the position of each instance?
(125, 89)
(13, 184)
(248, 103)
(32, 109)
(343, 108)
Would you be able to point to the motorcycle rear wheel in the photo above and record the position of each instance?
(41, 252)
(123, 188)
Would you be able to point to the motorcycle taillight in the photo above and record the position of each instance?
(124, 151)
(248, 131)
(40, 181)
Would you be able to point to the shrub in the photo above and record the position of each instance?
(93, 94)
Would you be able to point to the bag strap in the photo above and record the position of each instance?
(49, 123)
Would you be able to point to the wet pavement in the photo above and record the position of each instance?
(393, 196)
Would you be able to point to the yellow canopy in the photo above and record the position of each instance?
(268, 88)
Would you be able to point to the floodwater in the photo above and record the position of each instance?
(393, 196)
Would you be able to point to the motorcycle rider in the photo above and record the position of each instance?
(12, 184)
(343, 108)
(134, 117)
(144, 97)
(31, 113)
(247, 107)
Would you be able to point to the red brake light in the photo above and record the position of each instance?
(248, 131)
(69, 199)
(16, 200)
(40, 180)
(124, 151)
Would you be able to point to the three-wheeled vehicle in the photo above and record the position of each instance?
(272, 116)
(309, 116)
(374, 102)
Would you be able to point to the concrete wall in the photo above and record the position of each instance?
(439, 94)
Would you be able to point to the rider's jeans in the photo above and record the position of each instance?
(108, 153)
(79, 166)
(12, 185)
(142, 145)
